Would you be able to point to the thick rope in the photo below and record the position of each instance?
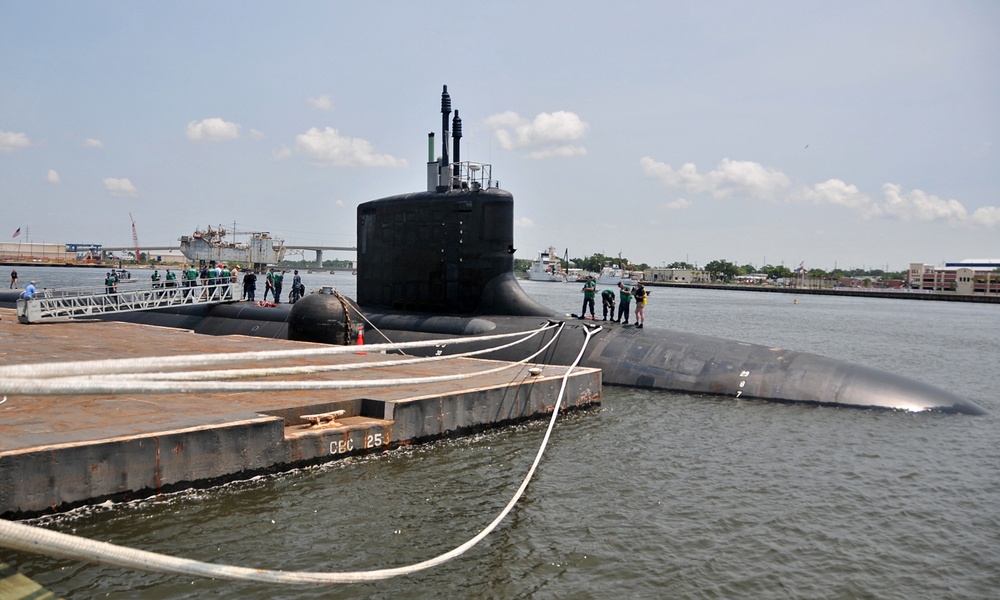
(112, 384)
(157, 363)
(361, 314)
(309, 369)
(28, 538)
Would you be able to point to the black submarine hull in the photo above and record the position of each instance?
(645, 358)
(439, 264)
(678, 361)
(648, 358)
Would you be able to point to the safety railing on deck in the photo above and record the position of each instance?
(84, 302)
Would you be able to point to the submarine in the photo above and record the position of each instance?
(438, 264)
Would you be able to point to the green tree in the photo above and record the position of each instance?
(596, 262)
(680, 265)
(777, 272)
(722, 269)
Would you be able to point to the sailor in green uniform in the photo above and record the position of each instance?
(269, 284)
(608, 303)
(278, 277)
(589, 291)
(624, 300)
(190, 279)
(225, 279)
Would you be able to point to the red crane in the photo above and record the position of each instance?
(135, 240)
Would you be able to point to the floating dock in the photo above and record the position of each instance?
(58, 452)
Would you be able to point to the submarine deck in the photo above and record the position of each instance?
(61, 451)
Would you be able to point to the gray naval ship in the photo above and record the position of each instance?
(212, 246)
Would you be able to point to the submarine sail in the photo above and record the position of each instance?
(440, 262)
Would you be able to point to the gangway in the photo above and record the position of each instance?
(86, 302)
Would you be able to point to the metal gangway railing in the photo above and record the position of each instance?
(85, 302)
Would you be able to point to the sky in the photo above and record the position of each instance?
(827, 134)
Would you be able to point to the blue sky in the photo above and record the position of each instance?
(842, 134)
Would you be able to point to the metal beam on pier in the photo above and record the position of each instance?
(85, 302)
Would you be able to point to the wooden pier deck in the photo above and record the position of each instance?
(57, 452)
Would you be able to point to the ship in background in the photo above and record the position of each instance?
(211, 246)
(547, 267)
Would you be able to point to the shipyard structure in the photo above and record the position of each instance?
(212, 246)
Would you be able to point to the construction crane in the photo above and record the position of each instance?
(135, 240)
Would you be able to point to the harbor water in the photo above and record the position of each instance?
(655, 494)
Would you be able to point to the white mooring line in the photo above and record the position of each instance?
(85, 302)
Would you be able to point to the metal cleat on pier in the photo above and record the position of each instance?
(327, 419)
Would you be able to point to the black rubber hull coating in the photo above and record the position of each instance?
(646, 358)
(685, 362)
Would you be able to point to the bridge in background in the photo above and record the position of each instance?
(317, 249)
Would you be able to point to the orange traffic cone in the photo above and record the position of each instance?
(361, 338)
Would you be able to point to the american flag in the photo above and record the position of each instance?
(17, 233)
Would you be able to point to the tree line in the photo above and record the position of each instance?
(719, 269)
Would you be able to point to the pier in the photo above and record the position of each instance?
(62, 451)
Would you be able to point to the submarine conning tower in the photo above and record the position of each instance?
(448, 250)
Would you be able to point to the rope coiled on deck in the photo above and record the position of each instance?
(27, 538)
(148, 374)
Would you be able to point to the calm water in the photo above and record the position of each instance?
(654, 495)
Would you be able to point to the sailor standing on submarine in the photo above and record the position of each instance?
(589, 291)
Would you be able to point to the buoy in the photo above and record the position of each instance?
(361, 338)
(796, 301)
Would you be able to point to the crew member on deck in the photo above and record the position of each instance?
(589, 291)
(624, 300)
(608, 303)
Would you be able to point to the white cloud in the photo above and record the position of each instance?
(11, 141)
(742, 179)
(549, 135)
(321, 102)
(987, 216)
(731, 178)
(837, 193)
(93, 143)
(524, 223)
(52, 177)
(339, 203)
(917, 205)
(329, 148)
(678, 204)
(214, 129)
(120, 187)
(282, 153)
(257, 135)
(558, 152)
